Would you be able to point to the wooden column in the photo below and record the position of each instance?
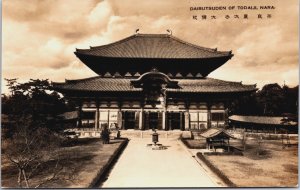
(208, 115)
(79, 121)
(186, 120)
(163, 120)
(187, 115)
(97, 118)
(108, 119)
(228, 146)
(120, 116)
(181, 121)
(226, 114)
(146, 122)
(226, 118)
(142, 116)
(141, 119)
(167, 128)
(123, 119)
(137, 120)
(164, 92)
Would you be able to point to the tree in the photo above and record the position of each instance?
(245, 105)
(33, 152)
(33, 143)
(35, 99)
(290, 99)
(271, 99)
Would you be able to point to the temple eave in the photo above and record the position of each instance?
(208, 85)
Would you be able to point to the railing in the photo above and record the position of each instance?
(87, 129)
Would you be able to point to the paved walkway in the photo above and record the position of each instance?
(140, 166)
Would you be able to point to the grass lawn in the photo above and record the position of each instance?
(274, 166)
(86, 157)
(195, 143)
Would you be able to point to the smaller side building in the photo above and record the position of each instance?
(263, 124)
(217, 138)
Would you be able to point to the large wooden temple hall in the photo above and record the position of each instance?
(152, 81)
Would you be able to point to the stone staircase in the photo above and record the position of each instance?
(174, 134)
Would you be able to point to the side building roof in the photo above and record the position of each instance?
(264, 120)
(214, 132)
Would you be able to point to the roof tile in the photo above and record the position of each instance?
(153, 46)
(262, 120)
(100, 84)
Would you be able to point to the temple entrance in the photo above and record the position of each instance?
(129, 119)
(173, 121)
(153, 120)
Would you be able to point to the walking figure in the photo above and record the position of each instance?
(105, 135)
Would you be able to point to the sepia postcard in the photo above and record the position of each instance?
(149, 94)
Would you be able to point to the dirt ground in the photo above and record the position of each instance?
(86, 157)
(272, 167)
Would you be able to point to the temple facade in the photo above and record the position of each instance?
(152, 81)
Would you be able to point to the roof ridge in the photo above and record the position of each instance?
(122, 40)
(114, 43)
(105, 45)
(81, 80)
(199, 47)
(152, 35)
(233, 82)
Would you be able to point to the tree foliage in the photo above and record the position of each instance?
(33, 99)
(271, 100)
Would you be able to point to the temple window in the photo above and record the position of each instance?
(129, 119)
(113, 120)
(88, 119)
(217, 119)
(109, 119)
(218, 116)
(103, 119)
(198, 120)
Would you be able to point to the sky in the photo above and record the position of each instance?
(39, 37)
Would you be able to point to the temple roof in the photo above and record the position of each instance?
(161, 46)
(142, 52)
(204, 85)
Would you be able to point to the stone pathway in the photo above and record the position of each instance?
(140, 166)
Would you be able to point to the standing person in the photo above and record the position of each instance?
(105, 135)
